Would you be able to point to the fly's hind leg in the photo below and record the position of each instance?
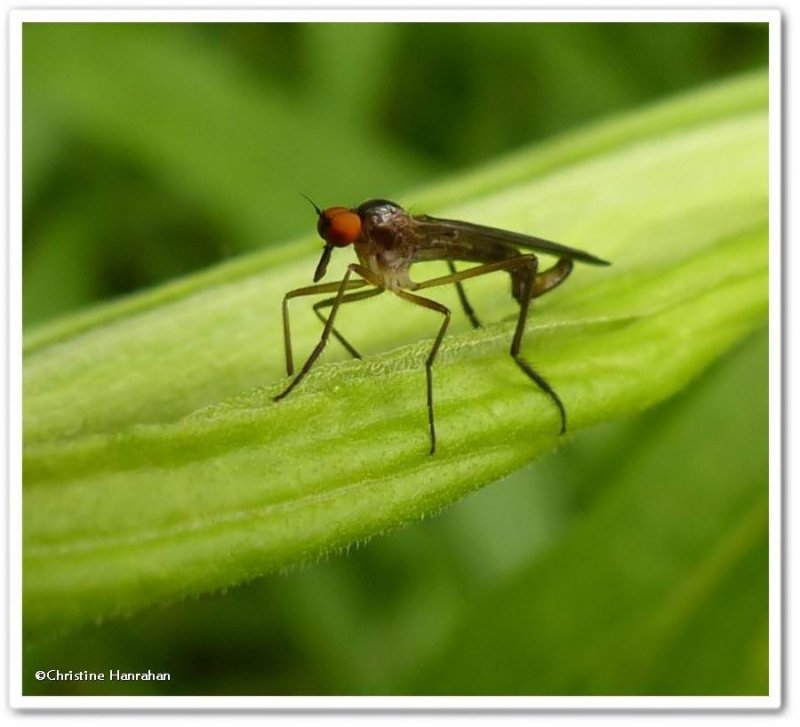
(533, 285)
(548, 279)
(543, 282)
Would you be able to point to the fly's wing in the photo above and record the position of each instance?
(466, 236)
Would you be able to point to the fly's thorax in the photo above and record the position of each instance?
(387, 241)
(386, 224)
(379, 212)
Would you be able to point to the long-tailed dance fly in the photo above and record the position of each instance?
(388, 241)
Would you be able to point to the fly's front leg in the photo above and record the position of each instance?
(439, 308)
(308, 290)
(349, 298)
(341, 287)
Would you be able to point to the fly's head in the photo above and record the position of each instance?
(379, 220)
(338, 227)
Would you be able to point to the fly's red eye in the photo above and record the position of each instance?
(339, 226)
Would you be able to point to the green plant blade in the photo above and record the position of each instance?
(135, 494)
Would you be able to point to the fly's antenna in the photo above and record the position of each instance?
(313, 203)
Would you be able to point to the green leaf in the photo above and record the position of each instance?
(157, 465)
(661, 587)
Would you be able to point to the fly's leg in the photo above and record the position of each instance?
(349, 298)
(551, 278)
(533, 285)
(298, 292)
(439, 308)
(462, 296)
(529, 286)
(342, 286)
(542, 283)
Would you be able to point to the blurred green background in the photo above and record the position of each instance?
(154, 150)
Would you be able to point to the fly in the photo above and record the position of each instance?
(388, 241)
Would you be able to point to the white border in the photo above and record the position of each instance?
(441, 14)
(775, 361)
(391, 15)
(14, 181)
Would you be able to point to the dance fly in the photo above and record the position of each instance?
(388, 240)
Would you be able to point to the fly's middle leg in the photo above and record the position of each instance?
(462, 296)
(445, 311)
